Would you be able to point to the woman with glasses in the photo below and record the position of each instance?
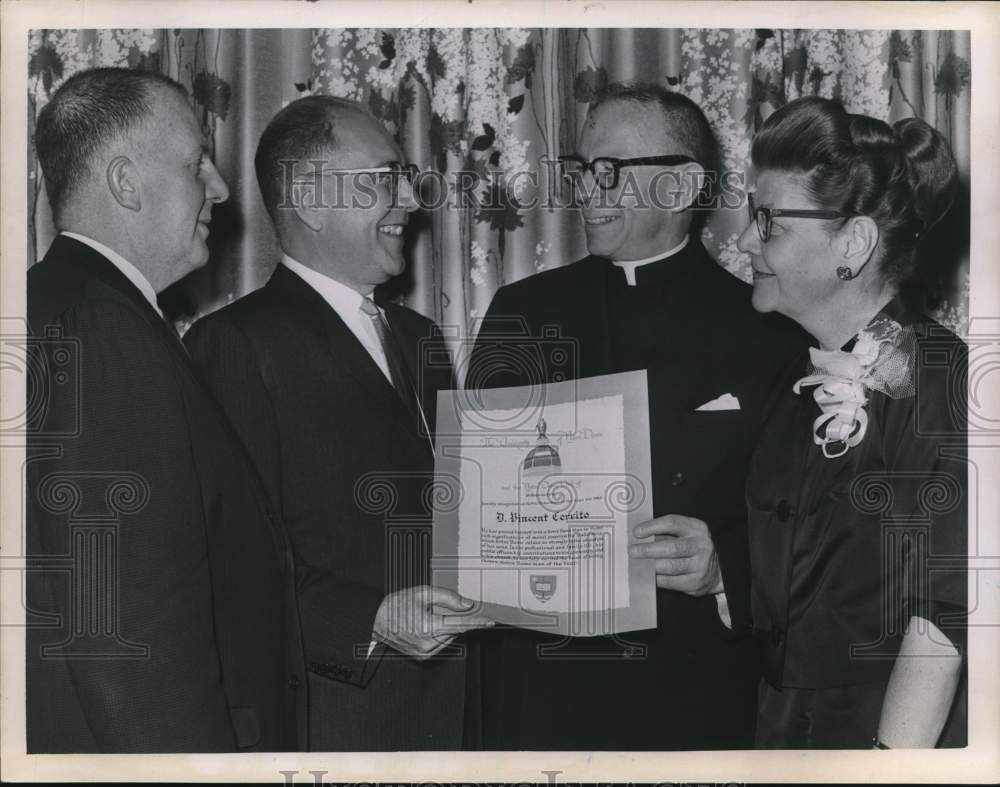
(856, 492)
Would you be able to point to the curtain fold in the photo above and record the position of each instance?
(496, 105)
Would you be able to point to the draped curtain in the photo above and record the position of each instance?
(499, 104)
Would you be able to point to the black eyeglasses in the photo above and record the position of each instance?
(763, 217)
(605, 169)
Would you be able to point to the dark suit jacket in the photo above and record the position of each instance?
(691, 682)
(162, 610)
(350, 467)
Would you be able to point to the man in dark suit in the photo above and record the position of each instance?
(649, 297)
(334, 395)
(161, 598)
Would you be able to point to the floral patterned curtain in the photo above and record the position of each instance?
(497, 102)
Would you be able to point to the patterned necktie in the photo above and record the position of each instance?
(402, 380)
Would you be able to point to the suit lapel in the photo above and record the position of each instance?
(343, 348)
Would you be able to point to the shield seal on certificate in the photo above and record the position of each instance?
(543, 586)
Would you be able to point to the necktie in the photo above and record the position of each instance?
(402, 380)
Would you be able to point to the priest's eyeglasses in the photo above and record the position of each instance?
(605, 169)
(763, 217)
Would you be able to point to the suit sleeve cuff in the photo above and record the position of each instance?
(337, 631)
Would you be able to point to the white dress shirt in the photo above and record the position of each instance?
(347, 303)
(132, 273)
(629, 266)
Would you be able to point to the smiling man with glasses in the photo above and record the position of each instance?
(648, 297)
(605, 170)
(645, 214)
(325, 385)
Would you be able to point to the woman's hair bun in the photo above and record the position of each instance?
(933, 173)
(870, 133)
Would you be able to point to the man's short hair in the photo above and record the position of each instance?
(302, 131)
(90, 109)
(684, 122)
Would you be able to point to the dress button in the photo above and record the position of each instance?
(677, 479)
(777, 637)
(293, 682)
(783, 511)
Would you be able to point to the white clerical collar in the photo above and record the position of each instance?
(343, 299)
(132, 273)
(629, 266)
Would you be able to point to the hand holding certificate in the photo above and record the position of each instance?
(546, 485)
(420, 621)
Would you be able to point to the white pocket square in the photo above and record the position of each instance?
(724, 402)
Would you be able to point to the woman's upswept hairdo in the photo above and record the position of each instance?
(902, 176)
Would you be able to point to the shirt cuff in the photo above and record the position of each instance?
(722, 603)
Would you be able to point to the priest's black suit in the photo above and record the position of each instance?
(161, 601)
(349, 464)
(690, 683)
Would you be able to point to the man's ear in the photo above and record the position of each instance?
(123, 183)
(306, 204)
(858, 240)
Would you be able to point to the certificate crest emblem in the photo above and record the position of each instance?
(543, 459)
(543, 586)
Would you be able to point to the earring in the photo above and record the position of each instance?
(844, 273)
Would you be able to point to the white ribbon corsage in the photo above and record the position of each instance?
(880, 360)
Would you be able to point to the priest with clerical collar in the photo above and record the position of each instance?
(630, 266)
(648, 297)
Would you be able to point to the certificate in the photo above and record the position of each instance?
(539, 488)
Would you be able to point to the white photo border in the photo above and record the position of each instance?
(979, 762)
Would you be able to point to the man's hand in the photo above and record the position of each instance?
(685, 559)
(415, 622)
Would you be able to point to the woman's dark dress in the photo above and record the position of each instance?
(845, 550)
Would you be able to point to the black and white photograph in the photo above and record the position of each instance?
(483, 392)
